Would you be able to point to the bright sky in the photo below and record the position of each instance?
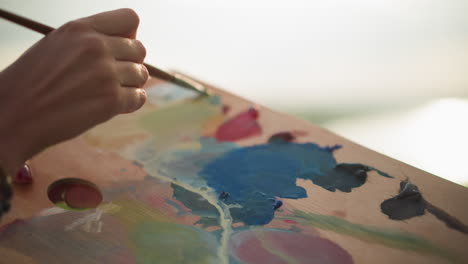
(291, 54)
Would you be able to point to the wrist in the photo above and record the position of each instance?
(12, 139)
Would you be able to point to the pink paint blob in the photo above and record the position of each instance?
(241, 126)
(247, 247)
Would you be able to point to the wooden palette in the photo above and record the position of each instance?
(206, 180)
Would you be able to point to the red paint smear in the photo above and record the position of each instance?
(290, 221)
(241, 126)
(247, 247)
(339, 213)
(23, 176)
(82, 197)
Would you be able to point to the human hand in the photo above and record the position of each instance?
(78, 76)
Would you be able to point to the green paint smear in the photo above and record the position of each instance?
(390, 238)
(65, 206)
(188, 118)
(157, 242)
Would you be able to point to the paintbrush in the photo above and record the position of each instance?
(153, 71)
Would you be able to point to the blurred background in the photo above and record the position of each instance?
(391, 75)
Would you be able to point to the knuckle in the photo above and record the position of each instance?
(94, 44)
(141, 50)
(105, 73)
(113, 100)
(145, 74)
(140, 73)
(75, 26)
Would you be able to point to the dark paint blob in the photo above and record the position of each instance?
(286, 136)
(242, 126)
(406, 204)
(344, 177)
(72, 193)
(277, 204)
(223, 196)
(409, 203)
(282, 137)
(24, 175)
(256, 176)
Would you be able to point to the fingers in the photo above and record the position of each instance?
(131, 74)
(126, 49)
(121, 22)
(131, 99)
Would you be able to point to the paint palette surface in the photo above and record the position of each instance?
(221, 180)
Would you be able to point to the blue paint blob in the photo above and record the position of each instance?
(254, 176)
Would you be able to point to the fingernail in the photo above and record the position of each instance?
(23, 176)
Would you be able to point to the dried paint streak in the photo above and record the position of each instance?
(409, 203)
(180, 168)
(254, 176)
(242, 126)
(386, 237)
(279, 246)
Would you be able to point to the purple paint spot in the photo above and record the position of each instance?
(226, 109)
(286, 136)
(283, 246)
(282, 137)
(242, 126)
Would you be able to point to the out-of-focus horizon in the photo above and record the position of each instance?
(389, 74)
